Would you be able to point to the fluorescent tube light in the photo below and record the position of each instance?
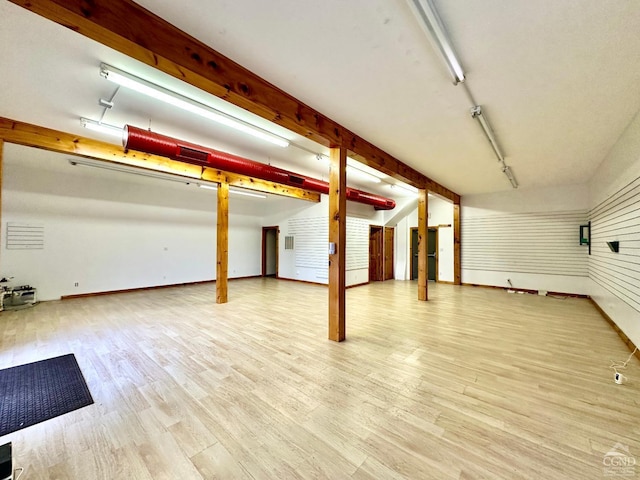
(175, 99)
(432, 25)
(101, 127)
(356, 172)
(405, 187)
(232, 190)
(133, 171)
(246, 194)
(357, 169)
(158, 175)
(476, 112)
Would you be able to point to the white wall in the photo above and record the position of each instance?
(614, 197)
(528, 236)
(308, 223)
(111, 231)
(440, 213)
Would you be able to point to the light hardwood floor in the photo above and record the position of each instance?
(476, 383)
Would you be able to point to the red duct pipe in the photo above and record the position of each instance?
(149, 142)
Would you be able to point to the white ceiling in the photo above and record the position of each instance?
(557, 80)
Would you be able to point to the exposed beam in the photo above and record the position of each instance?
(29, 135)
(134, 31)
(222, 243)
(457, 262)
(423, 239)
(337, 237)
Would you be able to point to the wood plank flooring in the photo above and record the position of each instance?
(476, 383)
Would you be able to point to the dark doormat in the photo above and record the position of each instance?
(39, 391)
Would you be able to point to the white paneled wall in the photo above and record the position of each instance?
(615, 210)
(538, 243)
(310, 242)
(308, 224)
(617, 219)
(529, 237)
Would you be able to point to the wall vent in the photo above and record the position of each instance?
(288, 242)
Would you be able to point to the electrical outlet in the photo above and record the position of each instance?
(76, 284)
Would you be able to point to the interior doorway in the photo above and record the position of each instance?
(432, 254)
(388, 253)
(376, 252)
(270, 251)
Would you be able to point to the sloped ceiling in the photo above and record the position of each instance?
(557, 80)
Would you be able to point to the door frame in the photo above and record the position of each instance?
(264, 247)
(411, 252)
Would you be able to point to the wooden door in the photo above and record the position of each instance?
(388, 253)
(376, 250)
(414, 254)
(432, 255)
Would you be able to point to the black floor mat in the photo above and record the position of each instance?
(38, 391)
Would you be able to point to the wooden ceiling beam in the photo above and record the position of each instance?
(136, 32)
(12, 131)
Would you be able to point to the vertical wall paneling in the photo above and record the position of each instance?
(617, 219)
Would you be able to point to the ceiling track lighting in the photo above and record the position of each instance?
(427, 15)
(177, 100)
(476, 112)
(509, 173)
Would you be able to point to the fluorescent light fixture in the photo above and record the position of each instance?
(356, 172)
(432, 25)
(185, 103)
(159, 175)
(101, 127)
(476, 112)
(357, 169)
(133, 170)
(408, 188)
(507, 171)
(232, 190)
(246, 194)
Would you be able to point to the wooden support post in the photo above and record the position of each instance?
(337, 240)
(222, 251)
(423, 238)
(457, 263)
